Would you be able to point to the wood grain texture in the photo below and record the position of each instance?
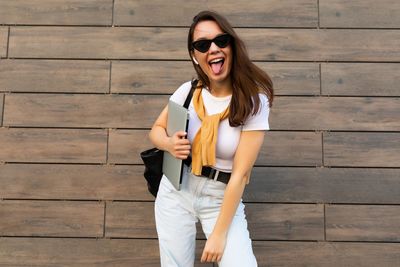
(150, 77)
(267, 184)
(285, 222)
(52, 145)
(279, 148)
(130, 219)
(3, 41)
(169, 43)
(73, 182)
(82, 110)
(164, 77)
(335, 113)
(362, 223)
(270, 13)
(51, 218)
(135, 220)
(66, 12)
(362, 149)
(294, 78)
(127, 111)
(74, 252)
(326, 254)
(98, 42)
(290, 149)
(361, 79)
(54, 76)
(359, 14)
(322, 44)
(323, 185)
(124, 146)
(265, 221)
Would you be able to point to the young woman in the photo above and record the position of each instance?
(228, 117)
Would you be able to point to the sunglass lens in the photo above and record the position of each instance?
(223, 40)
(202, 45)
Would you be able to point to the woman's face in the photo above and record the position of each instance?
(216, 63)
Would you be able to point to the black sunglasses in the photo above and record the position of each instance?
(221, 41)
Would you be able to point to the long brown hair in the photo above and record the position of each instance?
(247, 79)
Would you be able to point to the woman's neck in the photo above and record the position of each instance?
(221, 89)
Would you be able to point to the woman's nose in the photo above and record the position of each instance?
(214, 48)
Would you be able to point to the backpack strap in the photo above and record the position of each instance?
(190, 95)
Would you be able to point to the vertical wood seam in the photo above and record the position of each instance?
(109, 77)
(322, 148)
(104, 220)
(112, 14)
(324, 222)
(320, 79)
(8, 40)
(108, 141)
(2, 112)
(318, 13)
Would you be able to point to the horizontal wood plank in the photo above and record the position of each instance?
(73, 182)
(362, 149)
(322, 44)
(362, 223)
(51, 218)
(3, 41)
(139, 77)
(265, 221)
(170, 43)
(291, 149)
(285, 222)
(124, 146)
(98, 42)
(279, 148)
(267, 184)
(131, 111)
(323, 185)
(74, 252)
(141, 252)
(361, 79)
(66, 12)
(287, 13)
(359, 13)
(294, 78)
(326, 254)
(54, 76)
(335, 113)
(53, 145)
(82, 110)
(148, 77)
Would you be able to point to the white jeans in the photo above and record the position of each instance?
(176, 213)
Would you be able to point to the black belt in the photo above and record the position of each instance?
(210, 172)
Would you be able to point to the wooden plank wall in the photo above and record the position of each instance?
(77, 78)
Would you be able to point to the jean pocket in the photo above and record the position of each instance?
(215, 189)
(165, 185)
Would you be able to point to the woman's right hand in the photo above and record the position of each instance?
(179, 146)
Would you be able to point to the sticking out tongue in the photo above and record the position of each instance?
(217, 67)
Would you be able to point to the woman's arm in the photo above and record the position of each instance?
(176, 144)
(245, 157)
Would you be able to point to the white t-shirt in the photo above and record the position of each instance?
(228, 137)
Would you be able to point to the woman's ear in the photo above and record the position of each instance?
(194, 59)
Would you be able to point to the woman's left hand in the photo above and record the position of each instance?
(214, 248)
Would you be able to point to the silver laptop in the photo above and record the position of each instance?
(178, 120)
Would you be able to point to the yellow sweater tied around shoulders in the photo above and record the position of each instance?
(205, 141)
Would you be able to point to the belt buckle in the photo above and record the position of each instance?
(214, 173)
